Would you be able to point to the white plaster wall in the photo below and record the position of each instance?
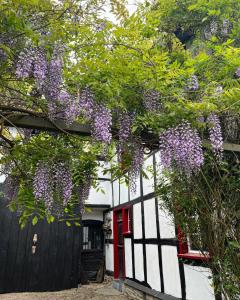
(148, 183)
(94, 214)
(109, 257)
(123, 192)
(137, 221)
(153, 274)
(138, 190)
(99, 197)
(138, 257)
(166, 224)
(128, 257)
(150, 219)
(171, 274)
(116, 192)
(198, 285)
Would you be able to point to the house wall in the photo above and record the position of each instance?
(151, 252)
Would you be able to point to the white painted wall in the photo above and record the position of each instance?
(148, 183)
(171, 271)
(109, 257)
(198, 284)
(138, 257)
(137, 194)
(128, 257)
(166, 224)
(123, 192)
(150, 219)
(99, 197)
(137, 221)
(153, 274)
(116, 192)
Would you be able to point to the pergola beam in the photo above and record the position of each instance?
(40, 123)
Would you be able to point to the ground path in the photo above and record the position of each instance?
(93, 291)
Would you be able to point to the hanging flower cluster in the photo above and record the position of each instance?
(24, 67)
(136, 164)
(83, 192)
(52, 180)
(11, 187)
(217, 28)
(86, 102)
(125, 123)
(49, 81)
(42, 188)
(101, 124)
(32, 62)
(215, 134)
(181, 147)
(40, 67)
(237, 73)
(192, 84)
(151, 100)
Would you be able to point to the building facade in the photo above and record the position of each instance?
(143, 248)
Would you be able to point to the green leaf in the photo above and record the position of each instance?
(34, 220)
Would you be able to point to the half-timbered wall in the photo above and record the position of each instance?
(151, 252)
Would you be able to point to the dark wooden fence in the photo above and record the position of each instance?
(55, 263)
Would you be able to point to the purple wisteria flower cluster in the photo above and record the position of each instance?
(151, 100)
(125, 123)
(86, 102)
(24, 67)
(83, 192)
(181, 147)
(42, 185)
(215, 134)
(11, 187)
(52, 180)
(62, 178)
(136, 164)
(237, 73)
(48, 76)
(40, 67)
(226, 27)
(32, 62)
(101, 124)
(55, 79)
(221, 29)
(192, 84)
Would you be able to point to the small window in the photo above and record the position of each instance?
(92, 237)
(188, 248)
(124, 216)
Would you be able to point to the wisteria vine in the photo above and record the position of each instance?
(181, 147)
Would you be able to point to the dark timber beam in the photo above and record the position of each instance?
(44, 124)
(40, 123)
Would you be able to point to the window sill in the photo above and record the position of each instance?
(194, 256)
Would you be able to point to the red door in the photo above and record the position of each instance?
(122, 227)
(119, 259)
